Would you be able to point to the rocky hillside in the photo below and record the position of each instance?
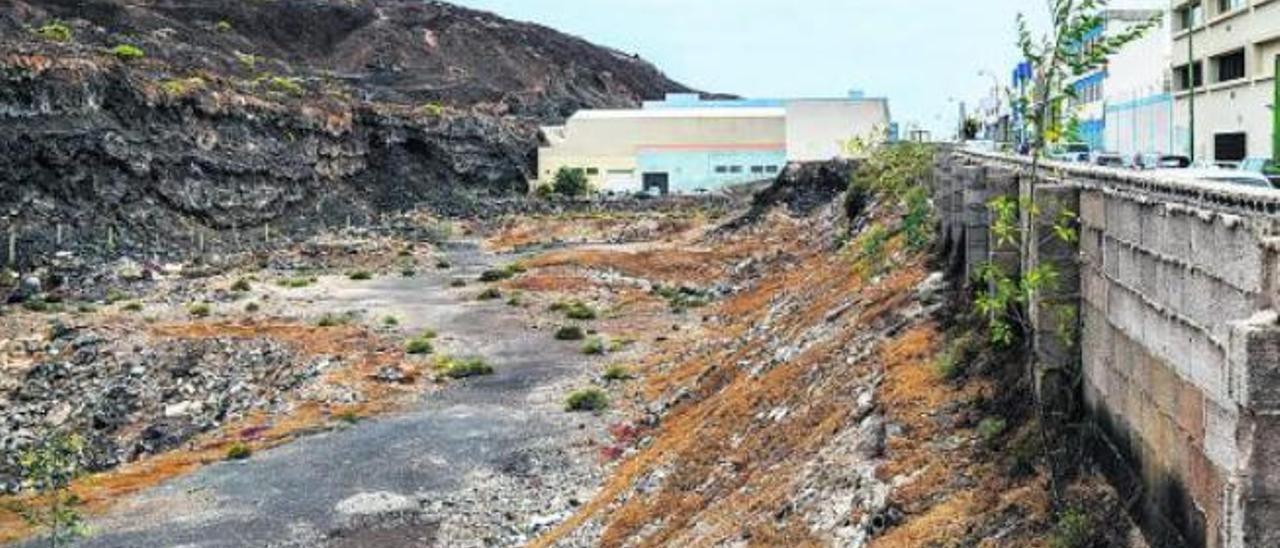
(162, 125)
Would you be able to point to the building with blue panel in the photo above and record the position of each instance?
(686, 144)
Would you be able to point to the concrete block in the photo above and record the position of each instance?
(1190, 412)
(1177, 239)
(1111, 257)
(1237, 255)
(1165, 385)
(1254, 362)
(1220, 443)
(1093, 210)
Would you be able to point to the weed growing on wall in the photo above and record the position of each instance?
(48, 469)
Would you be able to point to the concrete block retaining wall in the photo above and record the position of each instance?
(1176, 287)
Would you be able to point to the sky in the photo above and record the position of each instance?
(924, 55)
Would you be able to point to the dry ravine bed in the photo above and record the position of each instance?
(762, 383)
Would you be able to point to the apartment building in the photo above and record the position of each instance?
(1224, 61)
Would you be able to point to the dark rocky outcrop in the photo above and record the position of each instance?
(290, 113)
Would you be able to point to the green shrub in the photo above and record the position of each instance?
(594, 346)
(458, 282)
(570, 182)
(36, 305)
(287, 85)
(241, 285)
(115, 295)
(443, 264)
(199, 310)
(56, 31)
(334, 320)
(580, 311)
(248, 60)
(432, 109)
(617, 373)
(223, 26)
(515, 300)
(1073, 530)
(408, 273)
(990, 428)
(590, 399)
(239, 451)
(132, 307)
(454, 368)
(570, 333)
(296, 282)
(252, 307)
(349, 416)
(361, 275)
(489, 294)
(682, 298)
(419, 346)
(495, 275)
(127, 52)
(182, 86)
(429, 334)
(951, 362)
(390, 321)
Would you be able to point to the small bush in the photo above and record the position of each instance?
(1073, 530)
(241, 285)
(252, 307)
(683, 298)
(56, 31)
(594, 346)
(334, 320)
(37, 305)
(132, 307)
(182, 86)
(408, 273)
(458, 282)
(419, 346)
(590, 399)
(571, 182)
(296, 282)
(515, 300)
(495, 275)
(617, 373)
(361, 275)
(348, 416)
(489, 294)
(443, 264)
(127, 52)
(429, 334)
(570, 333)
(454, 368)
(115, 295)
(199, 310)
(390, 321)
(239, 451)
(990, 428)
(223, 26)
(433, 110)
(86, 308)
(286, 85)
(580, 311)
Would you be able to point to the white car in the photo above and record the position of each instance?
(1215, 175)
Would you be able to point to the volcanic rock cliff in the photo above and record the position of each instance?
(162, 125)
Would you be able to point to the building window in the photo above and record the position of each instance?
(735, 169)
(1230, 66)
(593, 171)
(1180, 76)
(722, 169)
(1188, 16)
(1229, 147)
(1225, 6)
(757, 169)
(771, 169)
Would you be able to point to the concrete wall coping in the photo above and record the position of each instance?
(1249, 201)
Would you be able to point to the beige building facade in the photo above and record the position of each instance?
(1224, 56)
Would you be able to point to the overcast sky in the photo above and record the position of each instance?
(918, 53)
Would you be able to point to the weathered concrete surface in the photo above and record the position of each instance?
(1176, 287)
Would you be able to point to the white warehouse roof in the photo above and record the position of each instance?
(765, 112)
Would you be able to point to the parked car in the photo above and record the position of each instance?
(1216, 175)
(1172, 161)
(1263, 166)
(1108, 159)
(1069, 152)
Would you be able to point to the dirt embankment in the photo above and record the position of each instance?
(834, 393)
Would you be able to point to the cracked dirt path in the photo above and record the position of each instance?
(390, 467)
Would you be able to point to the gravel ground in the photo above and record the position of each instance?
(488, 461)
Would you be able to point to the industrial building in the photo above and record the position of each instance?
(688, 144)
(1224, 56)
(1138, 100)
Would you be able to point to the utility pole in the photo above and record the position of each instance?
(1275, 114)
